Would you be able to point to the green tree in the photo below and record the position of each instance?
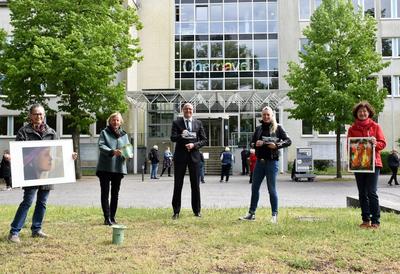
(73, 49)
(336, 70)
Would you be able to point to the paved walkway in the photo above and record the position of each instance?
(236, 193)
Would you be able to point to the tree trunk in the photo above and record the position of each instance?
(338, 158)
(76, 145)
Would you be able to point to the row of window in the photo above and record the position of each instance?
(9, 125)
(259, 83)
(227, 49)
(389, 8)
(243, 11)
(307, 129)
(226, 27)
(390, 46)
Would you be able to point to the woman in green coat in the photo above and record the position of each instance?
(111, 166)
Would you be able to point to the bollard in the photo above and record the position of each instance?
(118, 234)
(142, 173)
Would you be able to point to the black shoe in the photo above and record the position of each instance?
(396, 184)
(390, 183)
(107, 222)
(113, 221)
(203, 182)
(156, 178)
(175, 216)
(248, 217)
(169, 175)
(198, 215)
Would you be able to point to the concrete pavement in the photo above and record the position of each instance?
(236, 193)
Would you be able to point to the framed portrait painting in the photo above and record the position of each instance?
(361, 155)
(36, 163)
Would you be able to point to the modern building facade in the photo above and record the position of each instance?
(229, 58)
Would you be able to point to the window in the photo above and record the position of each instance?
(160, 121)
(390, 8)
(187, 13)
(201, 13)
(391, 47)
(392, 85)
(226, 45)
(101, 123)
(51, 120)
(67, 130)
(303, 42)
(369, 7)
(3, 125)
(306, 127)
(304, 9)
(18, 122)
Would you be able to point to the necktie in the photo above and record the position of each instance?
(188, 125)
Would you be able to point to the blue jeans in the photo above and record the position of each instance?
(269, 169)
(367, 186)
(22, 212)
(154, 169)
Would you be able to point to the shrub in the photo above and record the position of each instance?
(322, 165)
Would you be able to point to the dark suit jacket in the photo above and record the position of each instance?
(181, 153)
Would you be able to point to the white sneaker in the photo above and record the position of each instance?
(274, 219)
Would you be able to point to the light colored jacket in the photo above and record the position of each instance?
(108, 142)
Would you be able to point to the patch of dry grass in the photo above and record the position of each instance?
(216, 243)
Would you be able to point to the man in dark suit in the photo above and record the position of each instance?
(188, 134)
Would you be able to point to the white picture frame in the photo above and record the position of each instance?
(45, 162)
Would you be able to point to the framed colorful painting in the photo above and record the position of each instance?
(361, 155)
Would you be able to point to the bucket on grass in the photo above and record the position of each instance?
(118, 234)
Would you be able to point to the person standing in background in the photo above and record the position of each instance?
(244, 155)
(167, 162)
(201, 167)
(5, 169)
(394, 162)
(252, 163)
(154, 160)
(226, 164)
(111, 166)
(367, 183)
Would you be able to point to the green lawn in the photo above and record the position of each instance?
(216, 243)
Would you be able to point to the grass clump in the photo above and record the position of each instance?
(216, 243)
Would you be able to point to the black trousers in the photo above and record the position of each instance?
(8, 181)
(109, 207)
(179, 175)
(394, 175)
(225, 169)
(245, 167)
(163, 170)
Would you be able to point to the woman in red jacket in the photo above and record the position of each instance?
(252, 163)
(364, 126)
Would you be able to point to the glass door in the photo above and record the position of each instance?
(213, 128)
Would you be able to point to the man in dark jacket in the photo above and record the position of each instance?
(244, 155)
(154, 159)
(393, 161)
(189, 136)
